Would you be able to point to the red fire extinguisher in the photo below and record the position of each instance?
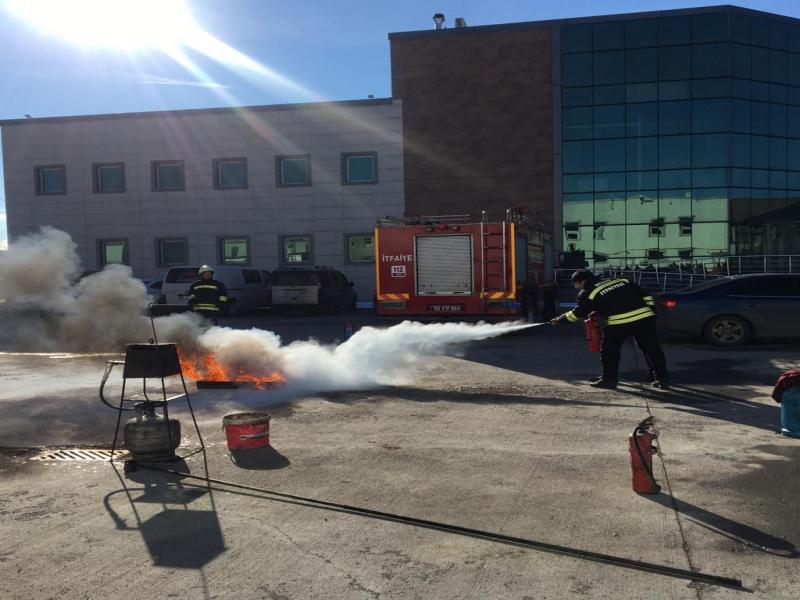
(594, 333)
(640, 445)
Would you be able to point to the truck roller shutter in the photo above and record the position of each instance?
(444, 265)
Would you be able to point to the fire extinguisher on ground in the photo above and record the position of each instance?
(594, 332)
(640, 445)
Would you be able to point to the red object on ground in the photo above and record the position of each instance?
(594, 333)
(640, 444)
(246, 430)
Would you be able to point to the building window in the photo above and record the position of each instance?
(361, 167)
(296, 249)
(168, 176)
(172, 252)
(685, 225)
(293, 170)
(108, 177)
(656, 228)
(360, 248)
(51, 179)
(572, 231)
(230, 173)
(655, 254)
(113, 252)
(234, 251)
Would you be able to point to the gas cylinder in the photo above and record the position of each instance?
(594, 333)
(640, 446)
(148, 436)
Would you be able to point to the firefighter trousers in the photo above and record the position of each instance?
(209, 315)
(644, 332)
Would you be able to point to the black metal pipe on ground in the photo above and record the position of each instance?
(627, 563)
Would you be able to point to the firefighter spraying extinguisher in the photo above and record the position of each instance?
(594, 332)
(640, 445)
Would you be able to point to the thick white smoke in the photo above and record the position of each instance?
(371, 357)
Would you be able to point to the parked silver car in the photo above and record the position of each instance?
(731, 310)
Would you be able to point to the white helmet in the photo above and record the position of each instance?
(205, 269)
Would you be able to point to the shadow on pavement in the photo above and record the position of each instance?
(176, 534)
(733, 530)
(714, 405)
(267, 458)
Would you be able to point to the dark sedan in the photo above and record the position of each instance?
(731, 310)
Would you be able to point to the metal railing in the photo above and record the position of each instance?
(679, 276)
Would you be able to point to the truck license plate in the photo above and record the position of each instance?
(446, 308)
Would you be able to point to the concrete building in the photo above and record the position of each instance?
(264, 186)
(655, 138)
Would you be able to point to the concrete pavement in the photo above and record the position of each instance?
(500, 437)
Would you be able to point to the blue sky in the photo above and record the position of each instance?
(302, 51)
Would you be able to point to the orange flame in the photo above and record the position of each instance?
(204, 367)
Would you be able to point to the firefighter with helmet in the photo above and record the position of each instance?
(628, 310)
(207, 296)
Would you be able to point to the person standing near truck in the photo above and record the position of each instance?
(628, 310)
(207, 296)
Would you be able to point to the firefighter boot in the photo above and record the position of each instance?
(604, 384)
(662, 383)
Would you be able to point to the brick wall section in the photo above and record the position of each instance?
(477, 121)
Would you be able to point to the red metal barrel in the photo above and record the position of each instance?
(246, 430)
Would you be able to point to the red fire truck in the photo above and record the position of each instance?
(448, 265)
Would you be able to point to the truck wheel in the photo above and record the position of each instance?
(727, 330)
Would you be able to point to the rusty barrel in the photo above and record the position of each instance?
(246, 430)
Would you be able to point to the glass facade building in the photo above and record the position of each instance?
(680, 136)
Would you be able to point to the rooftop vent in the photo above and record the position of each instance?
(460, 22)
(438, 20)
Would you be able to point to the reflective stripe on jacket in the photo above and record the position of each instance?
(207, 294)
(619, 300)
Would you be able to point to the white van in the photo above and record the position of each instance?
(247, 287)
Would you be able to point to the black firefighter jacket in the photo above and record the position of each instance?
(207, 295)
(619, 300)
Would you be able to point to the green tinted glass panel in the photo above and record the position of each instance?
(673, 117)
(710, 27)
(641, 64)
(577, 69)
(760, 117)
(778, 93)
(609, 182)
(577, 123)
(777, 179)
(641, 32)
(578, 157)
(110, 178)
(362, 248)
(52, 180)
(577, 96)
(708, 177)
(642, 92)
(173, 252)
(169, 177)
(609, 94)
(674, 62)
(710, 88)
(576, 38)
(234, 251)
(609, 121)
(360, 169)
(641, 154)
(674, 152)
(778, 67)
(674, 90)
(641, 180)
(679, 178)
(232, 174)
(759, 152)
(578, 183)
(642, 119)
(759, 178)
(760, 64)
(609, 155)
(709, 116)
(709, 60)
(740, 61)
(710, 150)
(793, 69)
(793, 155)
(740, 177)
(296, 249)
(760, 91)
(609, 67)
(777, 119)
(777, 153)
(740, 116)
(294, 171)
(740, 150)
(760, 31)
(113, 253)
(674, 30)
(609, 35)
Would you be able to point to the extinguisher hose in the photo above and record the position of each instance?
(641, 427)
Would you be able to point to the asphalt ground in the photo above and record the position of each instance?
(502, 436)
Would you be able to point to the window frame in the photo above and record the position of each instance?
(37, 179)
(282, 249)
(279, 170)
(101, 255)
(154, 175)
(160, 255)
(221, 250)
(345, 170)
(217, 175)
(96, 179)
(348, 237)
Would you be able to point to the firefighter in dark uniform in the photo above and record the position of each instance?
(628, 310)
(207, 296)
